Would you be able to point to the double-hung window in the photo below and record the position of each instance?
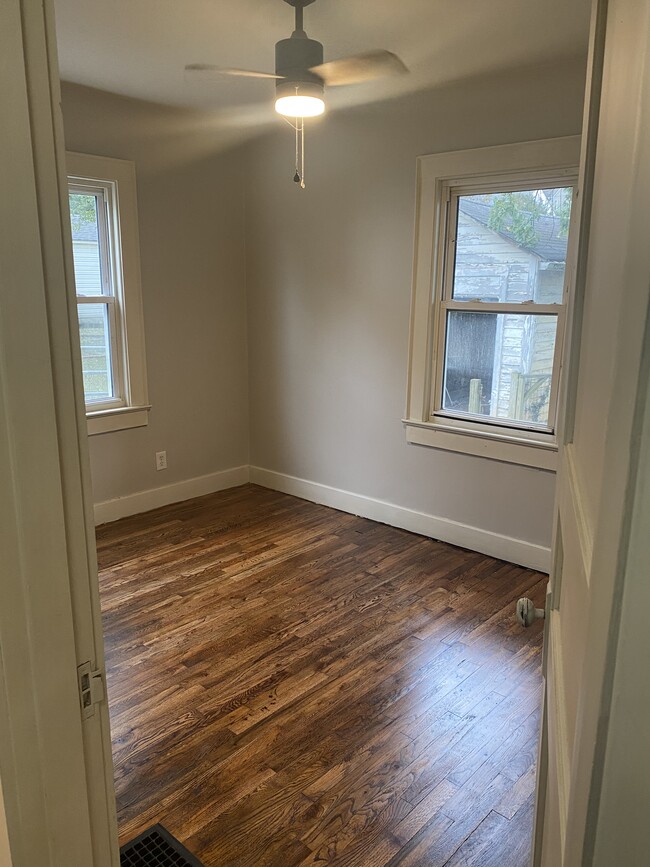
(97, 300)
(103, 220)
(491, 291)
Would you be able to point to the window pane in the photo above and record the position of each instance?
(512, 246)
(95, 351)
(85, 243)
(499, 365)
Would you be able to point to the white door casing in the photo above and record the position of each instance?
(602, 458)
(55, 768)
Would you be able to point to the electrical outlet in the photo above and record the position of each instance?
(161, 460)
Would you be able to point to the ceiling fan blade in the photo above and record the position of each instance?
(208, 70)
(360, 67)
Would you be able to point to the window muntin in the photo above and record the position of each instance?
(96, 258)
(500, 311)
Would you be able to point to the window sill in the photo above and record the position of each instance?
(122, 418)
(498, 447)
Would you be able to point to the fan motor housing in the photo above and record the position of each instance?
(294, 58)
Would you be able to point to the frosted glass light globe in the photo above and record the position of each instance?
(299, 106)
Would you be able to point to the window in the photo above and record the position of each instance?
(491, 291)
(107, 275)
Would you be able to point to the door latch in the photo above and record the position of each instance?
(527, 614)
(91, 688)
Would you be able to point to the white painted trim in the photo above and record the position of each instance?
(465, 536)
(153, 498)
(108, 420)
(574, 510)
(498, 447)
(56, 768)
(561, 755)
(557, 157)
(119, 178)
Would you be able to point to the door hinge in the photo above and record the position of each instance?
(547, 626)
(91, 688)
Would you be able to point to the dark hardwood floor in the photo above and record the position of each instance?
(291, 685)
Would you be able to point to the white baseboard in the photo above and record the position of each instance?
(485, 542)
(144, 501)
(494, 544)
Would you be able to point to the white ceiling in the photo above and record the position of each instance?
(138, 48)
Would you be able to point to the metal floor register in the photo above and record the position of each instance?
(156, 847)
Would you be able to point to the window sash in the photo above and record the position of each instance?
(528, 307)
(103, 198)
(110, 269)
(110, 302)
(439, 413)
(450, 228)
(443, 302)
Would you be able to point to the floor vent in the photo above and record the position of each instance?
(156, 847)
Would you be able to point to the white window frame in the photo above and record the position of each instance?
(110, 271)
(114, 181)
(440, 178)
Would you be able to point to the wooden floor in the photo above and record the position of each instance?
(292, 685)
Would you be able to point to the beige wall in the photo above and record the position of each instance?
(5, 853)
(191, 212)
(329, 285)
(327, 272)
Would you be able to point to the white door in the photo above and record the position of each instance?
(55, 765)
(603, 476)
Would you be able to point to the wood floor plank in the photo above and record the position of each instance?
(292, 685)
(473, 851)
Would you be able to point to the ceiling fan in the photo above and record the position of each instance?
(301, 76)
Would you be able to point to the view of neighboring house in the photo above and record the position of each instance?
(500, 364)
(85, 247)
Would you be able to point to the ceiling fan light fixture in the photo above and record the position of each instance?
(301, 76)
(300, 105)
(299, 98)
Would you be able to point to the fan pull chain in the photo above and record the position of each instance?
(299, 176)
(299, 128)
(302, 152)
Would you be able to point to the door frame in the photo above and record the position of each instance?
(616, 146)
(55, 766)
(624, 116)
(569, 378)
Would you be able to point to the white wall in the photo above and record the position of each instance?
(329, 283)
(191, 212)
